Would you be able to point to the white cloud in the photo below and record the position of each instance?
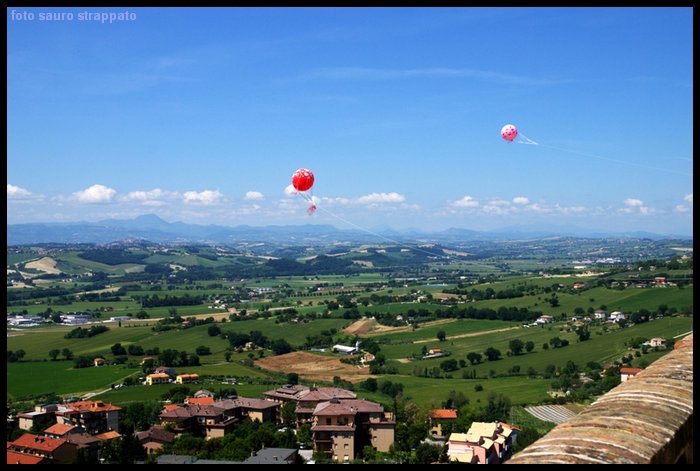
(336, 200)
(689, 198)
(289, 190)
(154, 194)
(153, 197)
(206, 197)
(537, 208)
(495, 209)
(520, 200)
(17, 193)
(373, 198)
(466, 202)
(681, 209)
(95, 194)
(632, 202)
(253, 195)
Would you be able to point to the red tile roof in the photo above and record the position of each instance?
(108, 435)
(59, 429)
(202, 401)
(34, 442)
(443, 414)
(20, 458)
(630, 371)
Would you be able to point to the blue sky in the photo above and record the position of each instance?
(202, 115)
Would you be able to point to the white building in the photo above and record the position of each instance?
(75, 319)
(347, 349)
(24, 320)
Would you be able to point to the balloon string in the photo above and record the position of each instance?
(527, 140)
(614, 160)
(378, 235)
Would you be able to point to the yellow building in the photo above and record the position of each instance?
(157, 378)
(187, 378)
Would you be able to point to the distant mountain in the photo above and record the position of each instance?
(152, 228)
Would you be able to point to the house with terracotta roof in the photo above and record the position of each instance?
(343, 427)
(61, 430)
(157, 378)
(93, 416)
(627, 373)
(440, 417)
(14, 457)
(108, 436)
(52, 450)
(202, 401)
(187, 378)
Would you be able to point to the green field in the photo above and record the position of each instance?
(600, 348)
(37, 342)
(60, 377)
(71, 263)
(19, 257)
(118, 308)
(628, 300)
(451, 327)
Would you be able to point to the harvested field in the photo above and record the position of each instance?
(311, 366)
(45, 264)
(371, 327)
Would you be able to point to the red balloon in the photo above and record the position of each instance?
(302, 179)
(508, 132)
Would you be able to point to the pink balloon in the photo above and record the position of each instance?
(509, 132)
